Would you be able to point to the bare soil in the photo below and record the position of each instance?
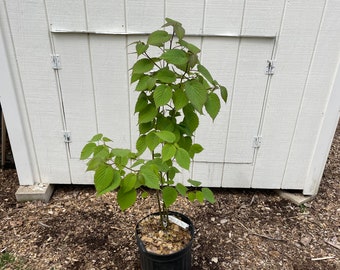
(244, 229)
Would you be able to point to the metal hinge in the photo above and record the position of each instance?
(55, 59)
(270, 68)
(257, 141)
(67, 136)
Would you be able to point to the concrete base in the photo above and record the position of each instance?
(39, 192)
(295, 197)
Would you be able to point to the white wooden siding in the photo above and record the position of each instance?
(91, 92)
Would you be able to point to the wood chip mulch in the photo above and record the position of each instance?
(244, 229)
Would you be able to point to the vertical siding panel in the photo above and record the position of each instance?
(110, 82)
(77, 88)
(262, 17)
(68, 15)
(296, 43)
(111, 87)
(189, 13)
(219, 56)
(133, 95)
(209, 173)
(32, 49)
(14, 107)
(223, 17)
(248, 95)
(237, 175)
(315, 100)
(144, 16)
(106, 15)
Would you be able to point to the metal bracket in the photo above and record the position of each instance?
(257, 141)
(55, 59)
(270, 68)
(67, 136)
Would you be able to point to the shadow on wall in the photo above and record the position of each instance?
(7, 161)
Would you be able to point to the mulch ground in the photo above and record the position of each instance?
(244, 229)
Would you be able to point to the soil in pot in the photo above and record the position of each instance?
(159, 241)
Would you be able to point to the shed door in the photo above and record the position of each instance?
(96, 95)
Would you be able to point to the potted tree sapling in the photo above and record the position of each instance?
(174, 89)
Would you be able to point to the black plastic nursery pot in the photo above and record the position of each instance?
(180, 260)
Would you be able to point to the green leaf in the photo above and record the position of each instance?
(194, 183)
(180, 99)
(179, 30)
(195, 149)
(141, 144)
(142, 83)
(199, 196)
(189, 46)
(172, 172)
(137, 163)
(190, 120)
(170, 22)
(158, 38)
(87, 150)
(114, 184)
(145, 127)
(126, 199)
(121, 162)
(151, 83)
(101, 152)
(145, 83)
(168, 152)
(141, 47)
(120, 152)
(175, 56)
(162, 95)
(106, 179)
(106, 139)
(183, 159)
(166, 136)
(103, 177)
(196, 94)
(141, 102)
(181, 189)
(213, 105)
(128, 182)
(205, 73)
(94, 163)
(224, 93)
(142, 65)
(165, 75)
(96, 137)
(208, 195)
(191, 195)
(164, 123)
(151, 178)
(135, 77)
(147, 114)
(145, 194)
(152, 141)
(193, 60)
(169, 195)
(157, 164)
(185, 142)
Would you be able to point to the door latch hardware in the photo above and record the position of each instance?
(270, 68)
(67, 136)
(257, 141)
(55, 59)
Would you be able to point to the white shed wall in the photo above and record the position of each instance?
(294, 110)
